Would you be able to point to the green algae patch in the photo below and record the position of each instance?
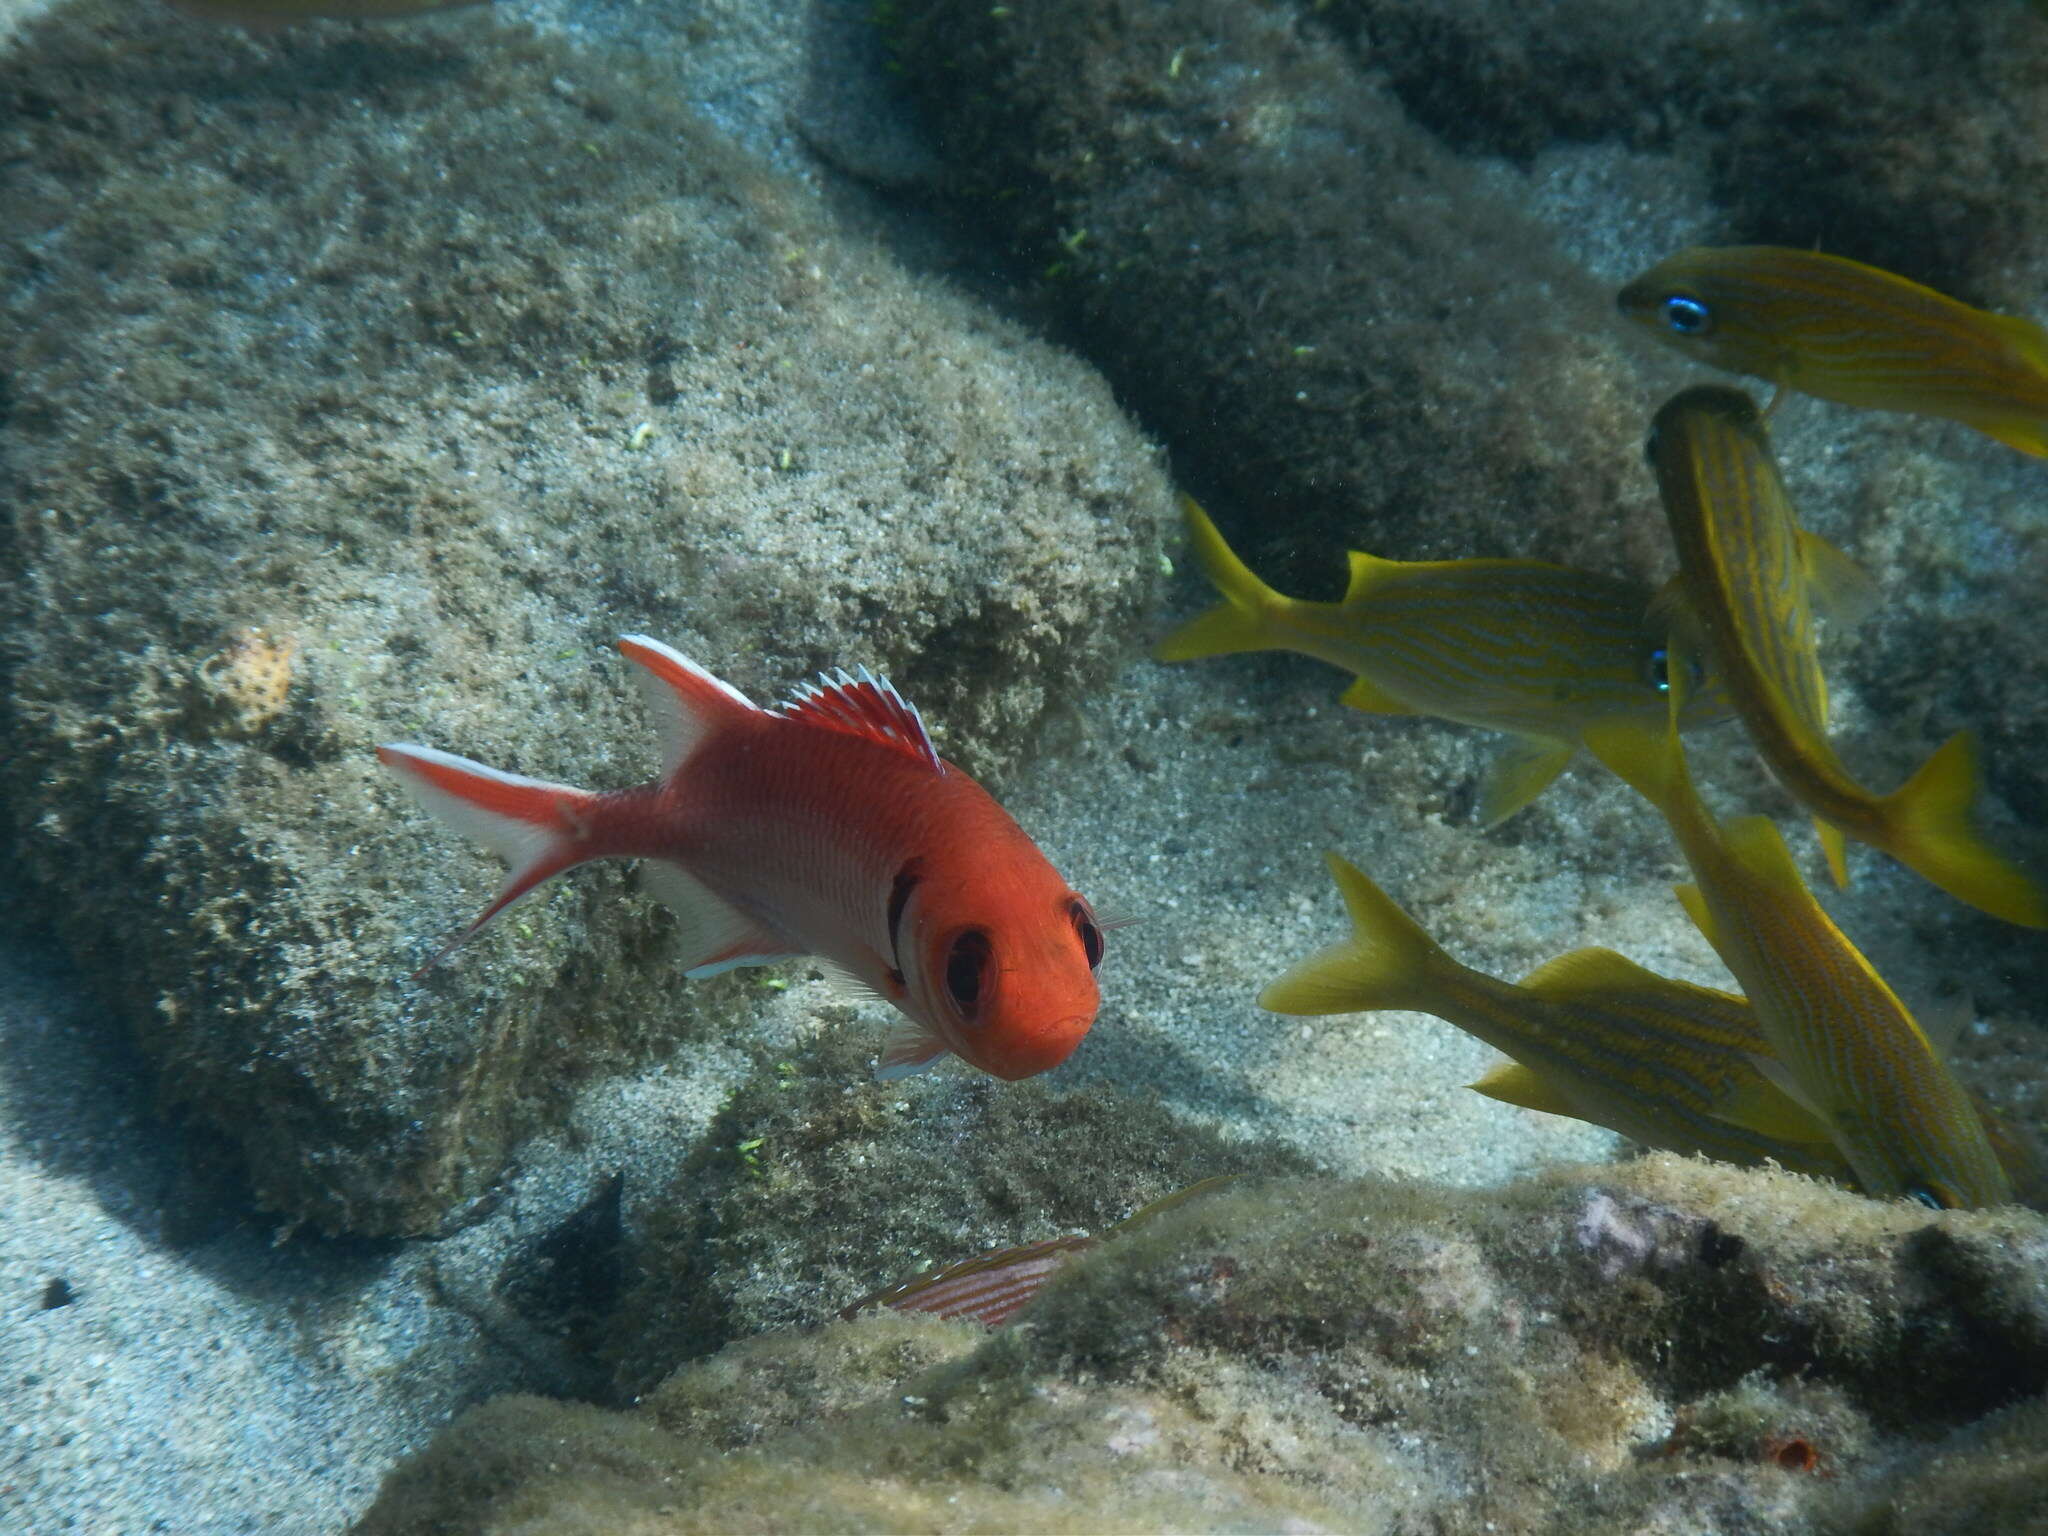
(437, 365)
(1652, 1347)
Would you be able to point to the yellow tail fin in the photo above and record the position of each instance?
(1239, 622)
(1928, 829)
(1386, 963)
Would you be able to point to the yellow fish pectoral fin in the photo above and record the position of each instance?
(1512, 1083)
(1695, 904)
(1757, 1104)
(1842, 592)
(1366, 695)
(1834, 847)
(1524, 768)
(1927, 828)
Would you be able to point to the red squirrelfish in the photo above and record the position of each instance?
(826, 826)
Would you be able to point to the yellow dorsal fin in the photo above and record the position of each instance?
(1512, 1083)
(1589, 973)
(1841, 590)
(1369, 696)
(1523, 769)
(1367, 572)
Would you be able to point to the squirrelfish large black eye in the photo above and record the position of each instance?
(1687, 315)
(967, 965)
(1091, 935)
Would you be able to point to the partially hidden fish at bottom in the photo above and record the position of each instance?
(1536, 650)
(1750, 584)
(827, 826)
(1593, 1036)
(1855, 334)
(1842, 1043)
(991, 1288)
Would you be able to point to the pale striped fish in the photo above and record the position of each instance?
(1750, 581)
(1842, 1043)
(1858, 335)
(1536, 650)
(993, 1287)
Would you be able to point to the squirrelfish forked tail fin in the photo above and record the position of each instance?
(1927, 828)
(1240, 621)
(538, 828)
(1386, 963)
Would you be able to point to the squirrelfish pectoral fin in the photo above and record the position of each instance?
(713, 935)
(1834, 847)
(1512, 1083)
(1364, 694)
(1841, 590)
(1524, 768)
(909, 1049)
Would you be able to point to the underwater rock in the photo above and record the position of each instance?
(361, 387)
(1653, 1347)
(777, 1219)
(1347, 337)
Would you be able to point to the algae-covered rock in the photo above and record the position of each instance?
(779, 1217)
(363, 386)
(1345, 334)
(1649, 1348)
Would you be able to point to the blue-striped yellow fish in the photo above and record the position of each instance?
(1536, 650)
(1841, 1041)
(1597, 1037)
(1843, 331)
(1750, 580)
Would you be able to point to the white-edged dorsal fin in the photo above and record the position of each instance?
(684, 699)
(861, 704)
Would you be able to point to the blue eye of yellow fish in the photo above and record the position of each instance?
(1687, 316)
(1928, 1198)
(1660, 670)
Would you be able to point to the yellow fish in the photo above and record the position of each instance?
(1843, 1043)
(1593, 1036)
(1536, 650)
(1858, 335)
(1750, 580)
(1596, 1037)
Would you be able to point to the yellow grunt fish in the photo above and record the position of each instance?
(1843, 1043)
(1538, 651)
(1750, 580)
(1858, 335)
(1593, 1036)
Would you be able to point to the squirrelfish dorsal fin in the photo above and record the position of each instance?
(1512, 1083)
(861, 704)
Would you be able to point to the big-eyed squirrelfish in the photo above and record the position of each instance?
(828, 826)
(1593, 1036)
(1851, 333)
(1750, 580)
(1842, 1043)
(1536, 650)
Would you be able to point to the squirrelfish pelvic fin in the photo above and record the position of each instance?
(1851, 333)
(1595, 1036)
(829, 827)
(1750, 577)
(1521, 646)
(1846, 1043)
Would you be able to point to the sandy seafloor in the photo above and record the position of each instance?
(255, 1381)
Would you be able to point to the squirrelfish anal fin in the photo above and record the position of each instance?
(1519, 772)
(861, 704)
(712, 935)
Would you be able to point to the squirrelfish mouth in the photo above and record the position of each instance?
(1046, 1049)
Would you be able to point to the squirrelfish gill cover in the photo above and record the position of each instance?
(1536, 650)
(1841, 1041)
(1750, 581)
(1851, 333)
(828, 826)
